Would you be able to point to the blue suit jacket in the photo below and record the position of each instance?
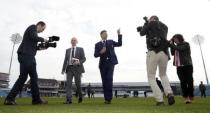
(110, 44)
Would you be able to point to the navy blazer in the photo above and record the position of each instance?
(110, 44)
(29, 42)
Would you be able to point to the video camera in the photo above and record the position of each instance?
(49, 43)
(140, 27)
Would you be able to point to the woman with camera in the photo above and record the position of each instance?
(180, 49)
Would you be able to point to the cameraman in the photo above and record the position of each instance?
(26, 57)
(157, 56)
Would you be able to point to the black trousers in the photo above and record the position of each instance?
(203, 93)
(186, 79)
(27, 66)
(106, 70)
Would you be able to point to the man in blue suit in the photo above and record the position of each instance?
(108, 59)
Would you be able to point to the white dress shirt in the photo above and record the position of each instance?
(70, 58)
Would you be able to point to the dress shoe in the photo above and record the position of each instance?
(41, 101)
(107, 102)
(171, 100)
(187, 100)
(67, 102)
(9, 102)
(80, 100)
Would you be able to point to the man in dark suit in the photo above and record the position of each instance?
(89, 91)
(73, 67)
(202, 89)
(26, 57)
(108, 59)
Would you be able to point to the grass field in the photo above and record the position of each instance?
(119, 105)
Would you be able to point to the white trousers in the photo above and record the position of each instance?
(159, 60)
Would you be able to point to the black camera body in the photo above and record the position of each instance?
(140, 27)
(49, 43)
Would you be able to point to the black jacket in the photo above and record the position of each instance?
(155, 29)
(30, 40)
(184, 53)
(202, 87)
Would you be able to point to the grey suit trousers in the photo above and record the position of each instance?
(73, 72)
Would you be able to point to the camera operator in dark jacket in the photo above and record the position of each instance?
(180, 49)
(26, 57)
(155, 28)
(157, 56)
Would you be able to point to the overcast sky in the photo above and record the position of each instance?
(85, 19)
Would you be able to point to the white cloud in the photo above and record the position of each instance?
(86, 18)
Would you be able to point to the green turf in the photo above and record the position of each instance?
(120, 105)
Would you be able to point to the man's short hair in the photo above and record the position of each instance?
(102, 32)
(40, 23)
(178, 37)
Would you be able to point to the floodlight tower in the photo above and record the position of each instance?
(16, 39)
(198, 40)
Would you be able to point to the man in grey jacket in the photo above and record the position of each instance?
(73, 67)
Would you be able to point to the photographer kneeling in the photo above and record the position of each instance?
(26, 57)
(157, 56)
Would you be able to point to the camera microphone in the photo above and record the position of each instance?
(145, 19)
